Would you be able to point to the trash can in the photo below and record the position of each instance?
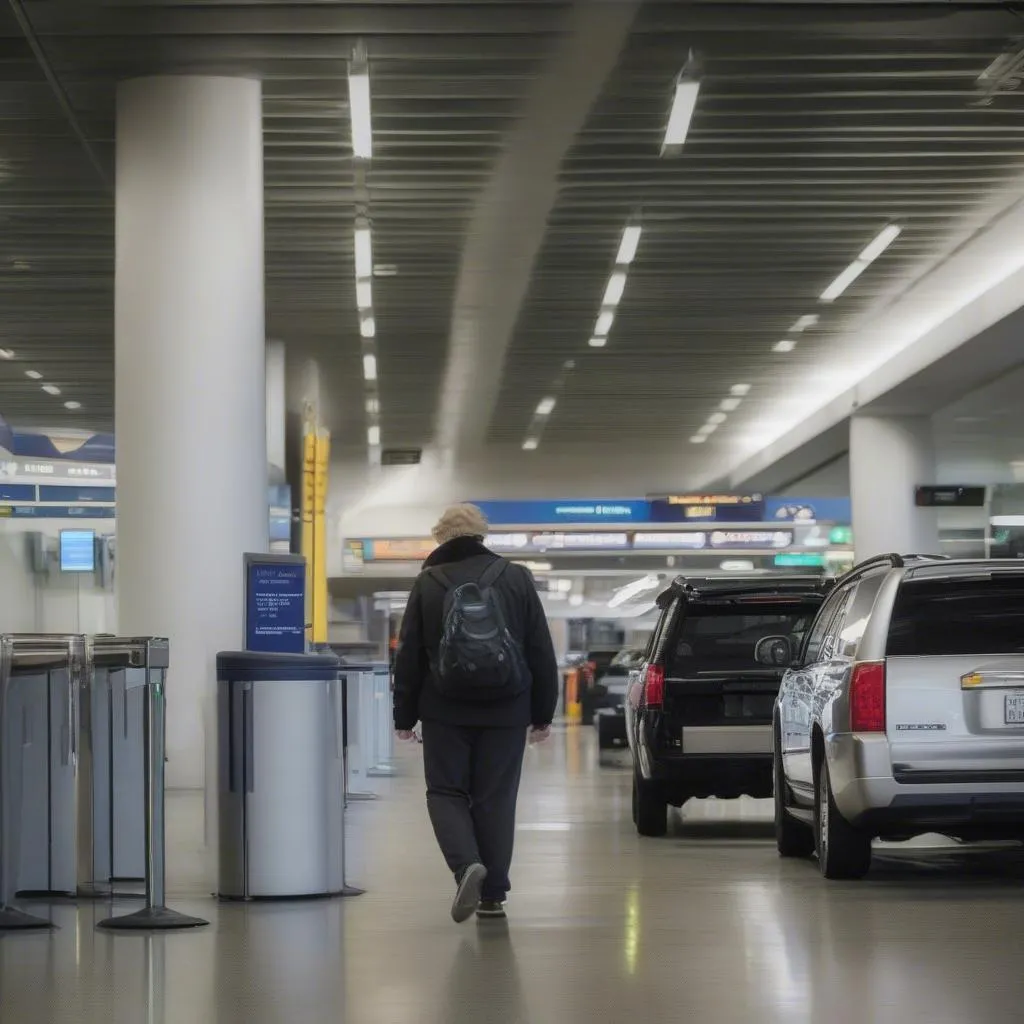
(281, 775)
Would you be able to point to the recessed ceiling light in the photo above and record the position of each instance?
(33, 375)
(740, 390)
(530, 444)
(843, 281)
(629, 244)
(369, 366)
(545, 406)
(806, 321)
(597, 342)
(6, 353)
(363, 251)
(367, 327)
(684, 103)
(51, 389)
(373, 406)
(373, 436)
(364, 295)
(786, 345)
(708, 428)
(73, 405)
(880, 243)
(616, 287)
(604, 323)
(717, 417)
(359, 113)
(730, 404)
(698, 438)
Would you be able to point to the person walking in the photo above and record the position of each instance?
(476, 666)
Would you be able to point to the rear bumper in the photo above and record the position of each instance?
(869, 796)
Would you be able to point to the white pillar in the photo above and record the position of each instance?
(277, 412)
(190, 387)
(889, 457)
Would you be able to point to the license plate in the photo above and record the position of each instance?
(1014, 710)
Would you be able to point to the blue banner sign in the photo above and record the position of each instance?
(549, 513)
(707, 508)
(17, 492)
(76, 495)
(808, 510)
(56, 512)
(275, 603)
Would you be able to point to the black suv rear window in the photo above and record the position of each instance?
(980, 615)
(722, 638)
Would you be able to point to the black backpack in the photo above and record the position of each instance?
(478, 659)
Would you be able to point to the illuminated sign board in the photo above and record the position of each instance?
(507, 541)
(747, 539)
(606, 511)
(807, 510)
(690, 541)
(398, 549)
(707, 508)
(806, 559)
(580, 541)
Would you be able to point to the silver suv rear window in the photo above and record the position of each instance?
(950, 616)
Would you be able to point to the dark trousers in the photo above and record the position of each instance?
(472, 784)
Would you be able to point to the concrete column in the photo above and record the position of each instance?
(190, 382)
(889, 457)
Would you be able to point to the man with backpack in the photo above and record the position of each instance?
(476, 666)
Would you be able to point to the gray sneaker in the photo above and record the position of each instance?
(467, 896)
(491, 910)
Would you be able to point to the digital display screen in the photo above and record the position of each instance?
(77, 551)
(275, 604)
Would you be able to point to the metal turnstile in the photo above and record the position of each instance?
(370, 728)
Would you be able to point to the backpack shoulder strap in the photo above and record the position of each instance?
(493, 572)
(439, 576)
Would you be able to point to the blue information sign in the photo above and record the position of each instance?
(571, 510)
(275, 603)
(808, 510)
(76, 495)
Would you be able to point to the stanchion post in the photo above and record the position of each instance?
(155, 915)
(11, 919)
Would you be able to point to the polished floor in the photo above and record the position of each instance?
(707, 925)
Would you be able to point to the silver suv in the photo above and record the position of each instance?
(903, 712)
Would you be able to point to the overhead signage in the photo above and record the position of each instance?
(49, 469)
(57, 512)
(690, 540)
(807, 510)
(401, 456)
(398, 549)
(275, 603)
(17, 492)
(952, 496)
(749, 539)
(580, 541)
(707, 508)
(805, 559)
(352, 557)
(550, 513)
(508, 541)
(76, 495)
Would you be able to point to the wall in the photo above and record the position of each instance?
(829, 481)
(53, 603)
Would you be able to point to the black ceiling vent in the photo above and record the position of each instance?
(401, 456)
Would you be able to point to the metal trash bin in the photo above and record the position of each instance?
(281, 775)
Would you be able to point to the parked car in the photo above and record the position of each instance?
(610, 698)
(699, 709)
(903, 711)
(592, 668)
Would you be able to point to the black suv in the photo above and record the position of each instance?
(699, 709)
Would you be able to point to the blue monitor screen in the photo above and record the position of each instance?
(77, 551)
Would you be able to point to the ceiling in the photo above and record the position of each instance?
(816, 125)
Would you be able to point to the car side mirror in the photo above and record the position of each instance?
(776, 651)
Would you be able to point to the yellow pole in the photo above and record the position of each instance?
(322, 465)
(308, 517)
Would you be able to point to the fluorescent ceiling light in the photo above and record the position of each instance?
(843, 281)
(373, 436)
(698, 438)
(545, 406)
(740, 390)
(6, 353)
(597, 342)
(708, 428)
(33, 375)
(369, 366)
(604, 323)
(373, 406)
(364, 294)
(786, 345)
(880, 243)
(629, 244)
(530, 444)
(359, 114)
(730, 404)
(364, 252)
(51, 389)
(683, 105)
(717, 417)
(367, 327)
(806, 321)
(72, 405)
(631, 590)
(616, 287)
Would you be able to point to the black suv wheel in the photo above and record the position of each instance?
(650, 807)
(843, 851)
(792, 837)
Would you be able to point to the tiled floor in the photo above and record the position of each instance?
(707, 926)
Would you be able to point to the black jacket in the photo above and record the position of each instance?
(416, 696)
